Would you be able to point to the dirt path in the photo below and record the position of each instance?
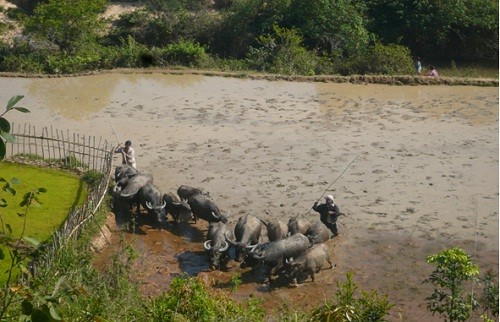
(425, 175)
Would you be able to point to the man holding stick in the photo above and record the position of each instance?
(329, 212)
(128, 154)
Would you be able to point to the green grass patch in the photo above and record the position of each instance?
(65, 191)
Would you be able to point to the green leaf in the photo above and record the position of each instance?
(3, 203)
(33, 241)
(22, 109)
(54, 314)
(13, 101)
(10, 190)
(27, 307)
(42, 190)
(4, 125)
(39, 316)
(3, 150)
(8, 137)
(9, 228)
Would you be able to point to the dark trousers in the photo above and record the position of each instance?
(332, 227)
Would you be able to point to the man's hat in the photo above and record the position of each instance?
(329, 197)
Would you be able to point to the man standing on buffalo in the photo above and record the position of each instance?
(329, 212)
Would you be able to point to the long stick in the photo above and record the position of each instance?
(116, 135)
(334, 181)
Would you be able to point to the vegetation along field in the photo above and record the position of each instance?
(292, 37)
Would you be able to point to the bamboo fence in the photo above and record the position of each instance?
(69, 150)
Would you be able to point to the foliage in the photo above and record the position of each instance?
(454, 268)
(489, 299)
(381, 59)
(185, 53)
(236, 281)
(335, 27)
(188, 300)
(346, 307)
(69, 25)
(92, 178)
(5, 135)
(282, 53)
(34, 306)
(451, 28)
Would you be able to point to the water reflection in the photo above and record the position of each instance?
(78, 97)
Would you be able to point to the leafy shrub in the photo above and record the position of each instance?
(27, 63)
(390, 60)
(282, 52)
(92, 177)
(377, 59)
(454, 268)
(188, 300)
(185, 53)
(346, 307)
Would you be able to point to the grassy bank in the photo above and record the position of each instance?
(412, 80)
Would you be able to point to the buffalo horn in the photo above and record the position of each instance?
(163, 204)
(206, 245)
(229, 240)
(224, 248)
(149, 205)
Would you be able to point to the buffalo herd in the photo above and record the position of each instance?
(290, 250)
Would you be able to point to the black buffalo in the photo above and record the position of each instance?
(310, 262)
(276, 230)
(216, 245)
(204, 208)
(298, 226)
(185, 192)
(247, 232)
(318, 233)
(274, 255)
(178, 209)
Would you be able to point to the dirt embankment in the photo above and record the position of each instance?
(354, 79)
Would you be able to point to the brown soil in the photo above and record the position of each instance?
(425, 174)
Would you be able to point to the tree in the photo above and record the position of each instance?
(67, 25)
(438, 28)
(454, 268)
(334, 26)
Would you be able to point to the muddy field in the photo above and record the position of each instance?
(424, 172)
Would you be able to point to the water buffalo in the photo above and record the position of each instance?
(124, 171)
(217, 245)
(310, 262)
(130, 186)
(298, 225)
(318, 233)
(150, 197)
(176, 208)
(247, 233)
(204, 208)
(185, 192)
(276, 230)
(275, 254)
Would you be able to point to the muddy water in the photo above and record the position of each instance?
(425, 174)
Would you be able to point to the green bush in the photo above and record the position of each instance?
(185, 53)
(390, 59)
(377, 59)
(282, 52)
(24, 63)
(347, 307)
(188, 300)
(92, 178)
